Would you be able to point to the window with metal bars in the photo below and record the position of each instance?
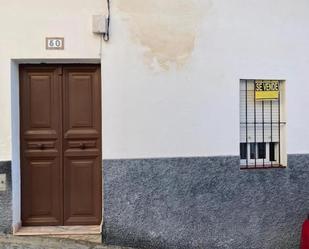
(262, 129)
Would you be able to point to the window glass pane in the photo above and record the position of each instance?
(272, 156)
(243, 151)
(262, 150)
(252, 150)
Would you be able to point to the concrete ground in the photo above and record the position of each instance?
(28, 242)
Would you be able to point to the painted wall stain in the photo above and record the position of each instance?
(166, 29)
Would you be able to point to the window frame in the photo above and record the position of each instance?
(275, 150)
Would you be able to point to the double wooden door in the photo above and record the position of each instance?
(61, 179)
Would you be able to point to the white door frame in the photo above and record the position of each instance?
(15, 128)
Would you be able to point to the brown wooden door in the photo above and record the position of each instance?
(41, 146)
(82, 145)
(60, 144)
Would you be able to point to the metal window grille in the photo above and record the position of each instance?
(260, 129)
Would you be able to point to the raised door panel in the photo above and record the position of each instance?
(41, 150)
(41, 201)
(82, 145)
(81, 191)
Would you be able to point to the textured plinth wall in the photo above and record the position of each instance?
(204, 203)
(197, 203)
(6, 200)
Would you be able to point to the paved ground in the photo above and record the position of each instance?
(27, 242)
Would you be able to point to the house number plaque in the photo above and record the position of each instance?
(54, 43)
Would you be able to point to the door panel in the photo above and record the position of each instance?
(81, 201)
(60, 145)
(41, 185)
(41, 164)
(82, 145)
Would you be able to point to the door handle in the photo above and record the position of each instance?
(82, 146)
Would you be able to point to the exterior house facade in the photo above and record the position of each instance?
(187, 129)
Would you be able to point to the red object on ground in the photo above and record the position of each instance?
(304, 244)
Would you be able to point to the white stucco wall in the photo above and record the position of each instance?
(185, 101)
(171, 69)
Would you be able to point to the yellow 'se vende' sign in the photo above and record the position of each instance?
(266, 89)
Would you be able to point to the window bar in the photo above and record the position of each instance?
(254, 125)
(271, 126)
(263, 131)
(279, 123)
(247, 163)
(260, 122)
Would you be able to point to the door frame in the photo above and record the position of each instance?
(15, 127)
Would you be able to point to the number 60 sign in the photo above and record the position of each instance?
(54, 42)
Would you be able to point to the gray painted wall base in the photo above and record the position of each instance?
(197, 203)
(6, 200)
(204, 203)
